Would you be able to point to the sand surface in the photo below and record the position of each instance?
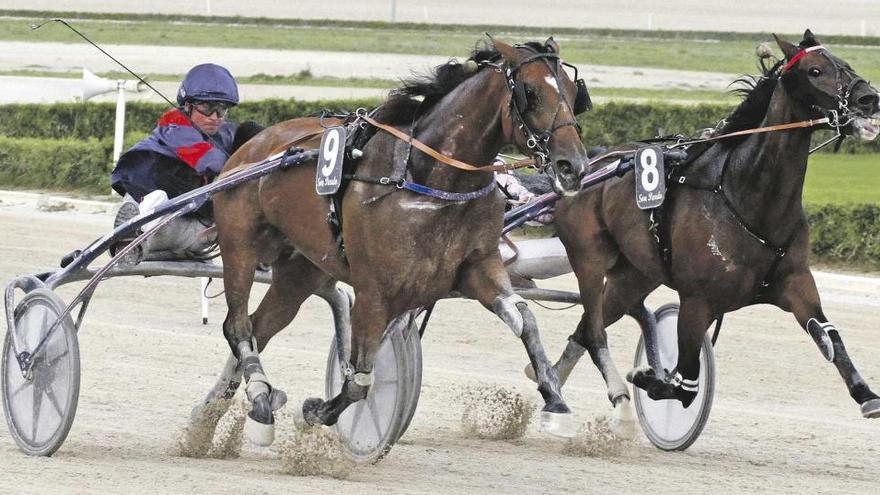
(782, 419)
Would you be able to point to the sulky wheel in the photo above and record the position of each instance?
(413, 347)
(667, 424)
(40, 407)
(368, 428)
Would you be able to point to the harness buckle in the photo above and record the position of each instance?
(681, 179)
(384, 180)
(531, 143)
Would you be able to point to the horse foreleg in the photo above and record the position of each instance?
(681, 383)
(487, 282)
(800, 296)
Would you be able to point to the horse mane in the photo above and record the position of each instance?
(421, 92)
(756, 92)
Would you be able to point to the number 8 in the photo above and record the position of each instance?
(331, 146)
(650, 175)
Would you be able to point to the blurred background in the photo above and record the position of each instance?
(652, 66)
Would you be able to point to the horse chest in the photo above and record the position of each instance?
(713, 254)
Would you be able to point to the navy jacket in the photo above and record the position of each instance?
(174, 143)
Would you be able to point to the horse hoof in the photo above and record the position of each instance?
(871, 409)
(558, 424)
(259, 433)
(638, 372)
(306, 416)
(530, 373)
(277, 399)
(623, 423)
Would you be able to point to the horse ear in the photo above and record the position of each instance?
(787, 48)
(509, 53)
(552, 45)
(810, 39)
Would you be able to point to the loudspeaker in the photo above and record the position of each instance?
(94, 85)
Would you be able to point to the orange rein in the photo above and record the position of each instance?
(443, 158)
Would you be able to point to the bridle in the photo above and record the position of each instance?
(843, 115)
(832, 118)
(538, 142)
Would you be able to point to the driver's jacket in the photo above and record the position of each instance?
(174, 147)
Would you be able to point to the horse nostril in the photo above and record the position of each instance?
(564, 167)
(870, 101)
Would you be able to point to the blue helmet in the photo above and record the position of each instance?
(208, 82)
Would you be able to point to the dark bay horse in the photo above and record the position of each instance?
(400, 250)
(732, 224)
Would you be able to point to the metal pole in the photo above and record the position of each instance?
(120, 120)
(203, 286)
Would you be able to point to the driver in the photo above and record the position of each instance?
(186, 150)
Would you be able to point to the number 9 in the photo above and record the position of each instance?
(331, 146)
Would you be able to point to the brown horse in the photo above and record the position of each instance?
(399, 250)
(733, 231)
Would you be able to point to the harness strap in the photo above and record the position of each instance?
(443, 158)
(799, 55)
(306, 137)
(779, 251)
(423, 190)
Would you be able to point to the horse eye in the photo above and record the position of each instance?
(815, 71)
(531, 97)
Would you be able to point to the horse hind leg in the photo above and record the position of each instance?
(369, 318)
(681, 383)
(294, 279)
(624, 285)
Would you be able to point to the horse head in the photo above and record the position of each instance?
(543, 106)
(828, 87)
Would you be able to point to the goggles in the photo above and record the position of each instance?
(208, 108)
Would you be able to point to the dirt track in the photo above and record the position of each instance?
(782, 420)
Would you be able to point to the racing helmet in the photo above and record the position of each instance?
(208, 82)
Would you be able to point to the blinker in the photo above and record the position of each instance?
(582, 101)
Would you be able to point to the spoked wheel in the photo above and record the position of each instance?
(413, 348)
(368, 428)
(40, 408)
(667, 424)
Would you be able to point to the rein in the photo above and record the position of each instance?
(758, 130)
(452, 162)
